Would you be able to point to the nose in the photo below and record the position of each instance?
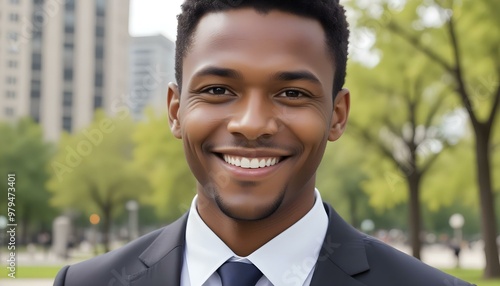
(255, 116)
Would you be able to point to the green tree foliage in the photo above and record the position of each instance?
(24, 152)
(459, 40)
(93, 171)
(339, 179)
(396, 110)
(160, 157)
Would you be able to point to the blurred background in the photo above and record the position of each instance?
(83, 127)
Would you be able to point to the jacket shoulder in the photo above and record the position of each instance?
(393, 267)
(112, 268)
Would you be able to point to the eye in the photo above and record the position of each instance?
(217, 90)
(292, 94)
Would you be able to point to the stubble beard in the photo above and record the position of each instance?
(262, 214)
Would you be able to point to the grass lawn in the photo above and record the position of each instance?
(32, 271)
(473, 276)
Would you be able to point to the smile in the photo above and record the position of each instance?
(251, 163)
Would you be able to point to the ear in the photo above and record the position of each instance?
(173, 103)
(340, 114)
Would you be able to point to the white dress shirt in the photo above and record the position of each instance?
(287, 259)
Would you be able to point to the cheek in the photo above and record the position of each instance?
(311, 128)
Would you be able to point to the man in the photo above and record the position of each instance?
(259, 94)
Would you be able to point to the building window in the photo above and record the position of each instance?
(36, 61)
(35, 93)
(11, 80)
(13, 17)
(9, 111)
(97, 102)
(68, 74)
(99, 52)
(99, 80)
(10, 94)
(99, 31)
(67, 99)
(100, 8)
(12, 64)
(67, 123)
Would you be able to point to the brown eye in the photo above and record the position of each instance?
(218, 90)
(292, 94)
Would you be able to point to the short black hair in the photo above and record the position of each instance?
(329, 13)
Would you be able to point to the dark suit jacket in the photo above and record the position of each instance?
(347, 258)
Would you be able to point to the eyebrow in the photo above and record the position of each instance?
(220, 72)
(296, 75)
(280, 76)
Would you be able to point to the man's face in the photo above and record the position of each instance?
(256, 111)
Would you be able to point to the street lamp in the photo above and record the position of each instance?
(3, 225)
(94, 220)
(457, 222)
(133, 219)
(367, 225)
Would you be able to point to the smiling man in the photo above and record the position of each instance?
(259, 94)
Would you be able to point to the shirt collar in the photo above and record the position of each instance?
(288, 258)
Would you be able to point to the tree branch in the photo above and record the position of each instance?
(372, 140)
(398, 30)
(496, 103)
(433, 159)
(432, 113)
(462, 91)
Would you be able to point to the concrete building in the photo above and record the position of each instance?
(151, 69)
(62, 59)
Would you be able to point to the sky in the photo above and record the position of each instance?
(151, 17)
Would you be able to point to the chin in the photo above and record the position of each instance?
(246, 211)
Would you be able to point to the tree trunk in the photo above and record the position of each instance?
(353, 210)
(413, 180)
(488, 218)
(106, 227)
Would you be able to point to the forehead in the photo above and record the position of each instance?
(272, 38)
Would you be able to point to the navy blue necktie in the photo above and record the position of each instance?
(239, 274)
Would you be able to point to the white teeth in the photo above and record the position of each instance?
(245, 163)
(250, 163)
(262, 163)
(254, 164)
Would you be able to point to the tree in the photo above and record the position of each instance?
(161, 157)
(93, 171)
(458, 38)
(24, 153)
(398, 110)
(339, 179)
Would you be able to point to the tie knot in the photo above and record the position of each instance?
(239, 274)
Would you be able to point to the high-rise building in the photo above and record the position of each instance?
(151, 69)
(62, 59)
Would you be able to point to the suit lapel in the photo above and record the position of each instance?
(163, 258)
(342, 255)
